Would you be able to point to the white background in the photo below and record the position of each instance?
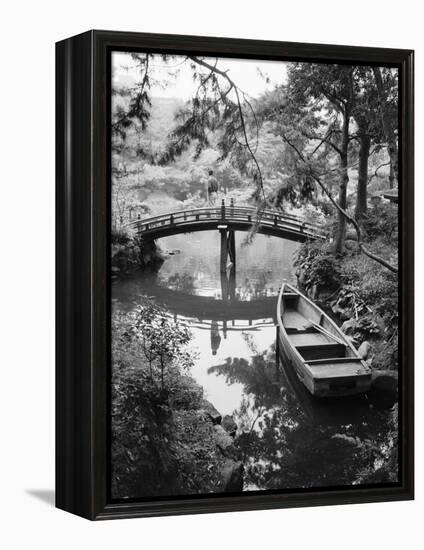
(29, 30)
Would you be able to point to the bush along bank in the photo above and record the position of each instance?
(360, 294)
(166, 438)
(133, 253)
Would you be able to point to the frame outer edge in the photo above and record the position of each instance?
(74, 422)
(82, 210)
(407, 270)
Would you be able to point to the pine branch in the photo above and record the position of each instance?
(137, 101)
(237, 91)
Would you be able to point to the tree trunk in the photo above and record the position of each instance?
(391, 176)
(361, 193)
(387, 125)
(344, 179)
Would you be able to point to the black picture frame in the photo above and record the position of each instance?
(83, 289)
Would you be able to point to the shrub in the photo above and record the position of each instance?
(381, 221)
(319, 265)
(362, 328)
(160, 342)
(366, 294)
(379, 293)
(119, 237)
(147, 353)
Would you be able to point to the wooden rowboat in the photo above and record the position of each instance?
(321, 355)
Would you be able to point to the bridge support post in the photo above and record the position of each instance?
(224, 246)
(228, 263)
(232, 264)
(223, 263)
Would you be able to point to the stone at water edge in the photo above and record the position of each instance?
(232, 476)
(351, 236)
(351, 245)
(229, 425)
(223, 440)
(211, 412)
(384, 388)
(385, 379)
(345, 315)
(301, 277)
(364, 350)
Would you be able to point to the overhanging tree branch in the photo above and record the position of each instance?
(237, 91)
(375, 174)
(137, 103)
(348, 217)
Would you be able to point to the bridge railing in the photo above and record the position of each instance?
(272, 216)
(226, 213)
(174, 218)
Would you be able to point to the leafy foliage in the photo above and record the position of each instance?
(160, 341)
(381, 221)
(132, 253)
(362, 328)
(161, 442)
(319, 264)
(367, 306)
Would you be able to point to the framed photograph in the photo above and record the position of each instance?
(234, 274)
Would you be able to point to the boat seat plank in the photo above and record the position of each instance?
(288, 295)
(334, 360)
(321, 351)
(329, 370)
(303, 339)
(307, 330)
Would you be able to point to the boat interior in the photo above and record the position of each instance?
(318, 342)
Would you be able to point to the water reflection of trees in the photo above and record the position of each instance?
(285, 445)
(258, 382)
(183, 282)
(257, 287)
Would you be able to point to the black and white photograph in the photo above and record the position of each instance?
(254, 269)
(211, 237)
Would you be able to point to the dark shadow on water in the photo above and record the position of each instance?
(45, 495)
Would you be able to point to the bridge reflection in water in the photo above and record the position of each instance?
(215, 315)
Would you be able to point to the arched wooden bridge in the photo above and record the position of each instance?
(227, 220)
(231, 218)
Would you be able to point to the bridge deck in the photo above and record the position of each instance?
(234, 217)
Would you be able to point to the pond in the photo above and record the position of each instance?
(286, 438)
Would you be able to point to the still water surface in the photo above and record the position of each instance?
(287, 438)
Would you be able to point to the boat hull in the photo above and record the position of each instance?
(315, 348)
